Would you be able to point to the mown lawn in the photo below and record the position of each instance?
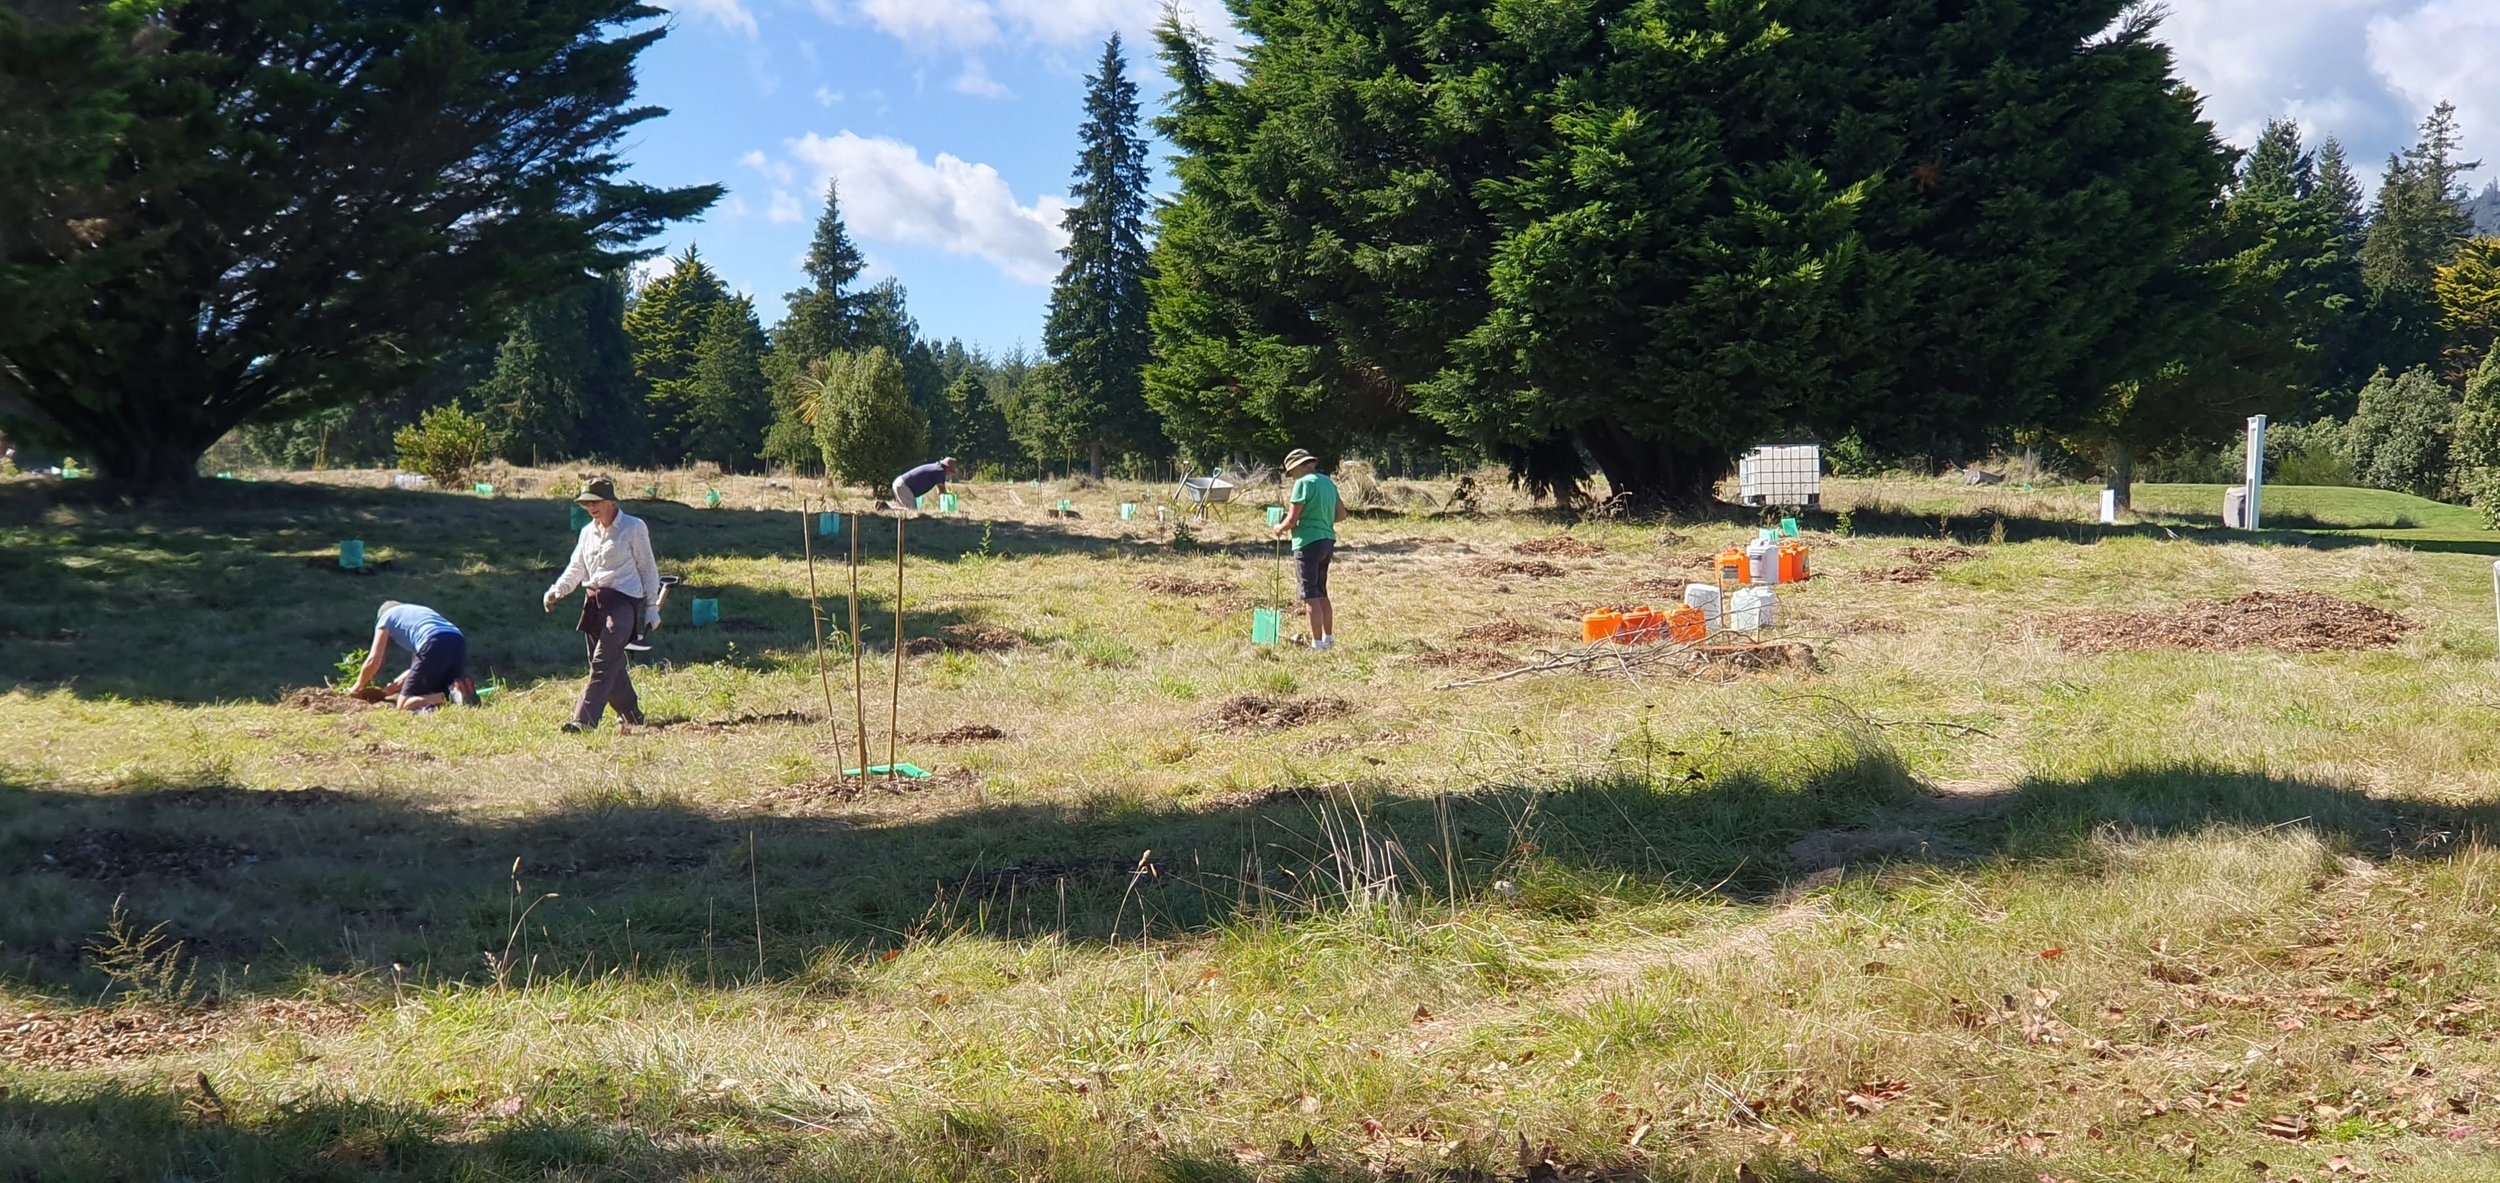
(1954, 904)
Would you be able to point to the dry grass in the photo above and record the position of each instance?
(2208, 907)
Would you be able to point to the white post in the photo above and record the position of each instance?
(2256, 467)
(2495, 586)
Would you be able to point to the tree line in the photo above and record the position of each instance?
(1617, 238)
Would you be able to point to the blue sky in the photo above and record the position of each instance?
(952, 123)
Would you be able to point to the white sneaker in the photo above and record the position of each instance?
(1324, 643)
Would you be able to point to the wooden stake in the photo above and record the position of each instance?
(859, 701)
(894, 716)
(816, 618)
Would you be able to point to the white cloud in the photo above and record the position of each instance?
(734, 208)
(970, 24)
(826, 96)
(785, 209)
(2363, 71)
(732, 15)
(960, 24)
(890, 194)
(976, 81)
(775, 170)
(645, 272)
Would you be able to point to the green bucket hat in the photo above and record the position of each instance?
(597, 489)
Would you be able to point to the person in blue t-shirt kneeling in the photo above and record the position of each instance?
(439, 670)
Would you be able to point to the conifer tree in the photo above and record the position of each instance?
(666, 322)
(2348, 353)
(1097, 332)
(533, 402)
(2420, 217)
(978, 430)
(726, 403)
(865, 422)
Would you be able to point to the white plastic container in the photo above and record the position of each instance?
(1705, 597)
(1749, 610)
(1762, 557)
(412, 480)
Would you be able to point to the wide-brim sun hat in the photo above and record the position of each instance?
(1297, 458)
(598, 489)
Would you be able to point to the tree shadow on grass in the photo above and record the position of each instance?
(1974, 528)
(237, 594)
(263, 884)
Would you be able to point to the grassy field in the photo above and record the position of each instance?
(1955, 903)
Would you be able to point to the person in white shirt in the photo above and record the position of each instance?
(613, 559)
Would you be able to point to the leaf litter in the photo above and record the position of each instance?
(1561, 546)
(88, 1037)
(1276, 712)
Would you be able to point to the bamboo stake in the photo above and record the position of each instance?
(859, 703)
(816, 619)
(894, 716)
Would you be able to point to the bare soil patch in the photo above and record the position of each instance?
(1925, 562)
(966, 638)
(1509, 568)
(89, 1037)
(1561, 546)
(968, 733)
(1503, 631)
(1277, 711)
(1469, 658)
(1659, 591)
(722, 726)
(1768, 656)
(311, 797)
(839, 789)
(1182, 585)
(2293, 622)
(110, 856)
(322, 700)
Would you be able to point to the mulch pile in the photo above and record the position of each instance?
(1509, 568)
(321, 700)
(89, 1037)
(1276, 711)
(1503, 632)
(2294, 622)
(968, 733)
(966, 638)
(1924, 563)
(1182, 585)
(113, 856)
(1561, 546)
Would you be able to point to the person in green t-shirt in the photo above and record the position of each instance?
(1311, 520)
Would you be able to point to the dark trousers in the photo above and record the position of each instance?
(609, 620)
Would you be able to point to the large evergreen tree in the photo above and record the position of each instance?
(824, 316)
(666, 321)
(1097, 332)
(864, 418)
(260, 208)
(533, 402)
(2348, 354)
(2416, 224)
(1655, 233)
(978, 436)
(727, 407)
(563, 384)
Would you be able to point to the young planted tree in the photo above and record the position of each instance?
(666, 322)
(865, 423)
(1097, 333)
(1654, 233)
(260, 208)
(726, 405)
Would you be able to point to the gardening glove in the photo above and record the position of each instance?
(547, 603)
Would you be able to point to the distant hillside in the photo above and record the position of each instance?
(2486, 211)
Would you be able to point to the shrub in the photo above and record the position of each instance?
(2399, 435)
(447, 444)
(865, 423)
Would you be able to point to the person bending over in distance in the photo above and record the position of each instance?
(1311, 521)
(612, 558)
(910, 487)
(438, 670)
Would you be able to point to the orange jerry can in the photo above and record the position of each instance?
(1600, 625)
(1735, 570)
(1688, 626)
(1793, 567)
(1640, 626)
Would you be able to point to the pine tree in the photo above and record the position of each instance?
(226, 211)
(2278, 168)
(864, 418)
(978, 436)
(824, 316)
(613, 397)
(727, 407)
(1051, 414)
(1552, 239)
(533, 403)
(1097, 332)
(666, 321)
(2421, 216)
(2348, 349)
